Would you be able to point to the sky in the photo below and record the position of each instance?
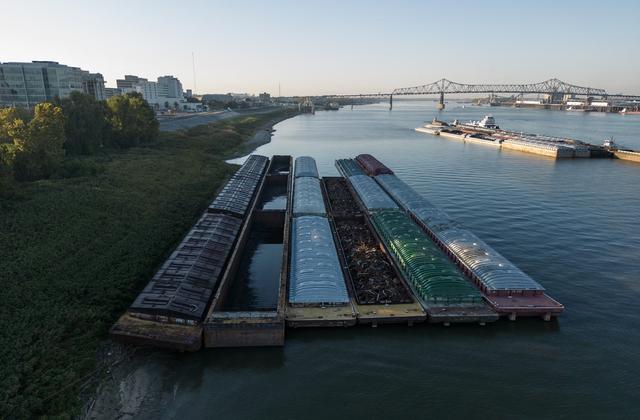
(332, 47)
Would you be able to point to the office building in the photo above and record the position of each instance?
(27, 84)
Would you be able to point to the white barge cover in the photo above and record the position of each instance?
(315, 275)
(370, 193)
(493, 270)
(307, 197)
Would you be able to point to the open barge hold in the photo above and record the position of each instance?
(317, 292)
(505, 287)
(249, 306)
(381, 295)
(170, 310)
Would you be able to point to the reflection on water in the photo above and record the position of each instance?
(256, 285)
(571, 225)
(274, 197)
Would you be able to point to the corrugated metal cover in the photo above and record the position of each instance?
(237, 194)
(254, 163)
(349, 167)
(370, 193)
(493, 270)
(307, 197)
(435, 219)
(434, 276)
(406, 196)
(187, 280)
(306, 166)
(315, 276)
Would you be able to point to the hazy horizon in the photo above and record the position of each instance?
(331, 47)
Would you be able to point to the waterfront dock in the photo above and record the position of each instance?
(281, 247)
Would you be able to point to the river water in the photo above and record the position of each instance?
(572, 225)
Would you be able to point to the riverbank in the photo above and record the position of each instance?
(76, 251)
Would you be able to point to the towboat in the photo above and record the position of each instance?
(487, 122)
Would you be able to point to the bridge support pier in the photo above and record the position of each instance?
(390, 102)
(440, 105)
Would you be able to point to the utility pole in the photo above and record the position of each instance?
(193, 62)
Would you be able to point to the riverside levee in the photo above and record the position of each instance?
(249, 306)
(381, 295)
(170, 309)
(317, 294)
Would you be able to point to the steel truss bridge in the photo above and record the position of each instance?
(553, 87)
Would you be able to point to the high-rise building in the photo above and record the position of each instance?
(27, 84)
(170, 87)
(93, 85)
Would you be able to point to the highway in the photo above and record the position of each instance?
(184, 121)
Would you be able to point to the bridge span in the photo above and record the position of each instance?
(554, 87)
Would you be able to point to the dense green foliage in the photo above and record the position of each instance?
(131, 120)
(32, 146)
(75, 252)
(39, 143)
(86, 127)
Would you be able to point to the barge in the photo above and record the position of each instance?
(381, 295)
(487, 133)
(507, 289)
(317, 292)
(249, 306)
(280, 247)
(446, 298)
(170, 309)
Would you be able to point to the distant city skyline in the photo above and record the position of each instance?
(333, 47)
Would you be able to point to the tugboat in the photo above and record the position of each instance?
(609, 143)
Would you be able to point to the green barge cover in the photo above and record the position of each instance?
(436, 279)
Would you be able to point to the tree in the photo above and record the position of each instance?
(85, 123)
(132, 121)
(38, 144)
(8, 118)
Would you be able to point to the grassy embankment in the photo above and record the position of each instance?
(75, 252)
